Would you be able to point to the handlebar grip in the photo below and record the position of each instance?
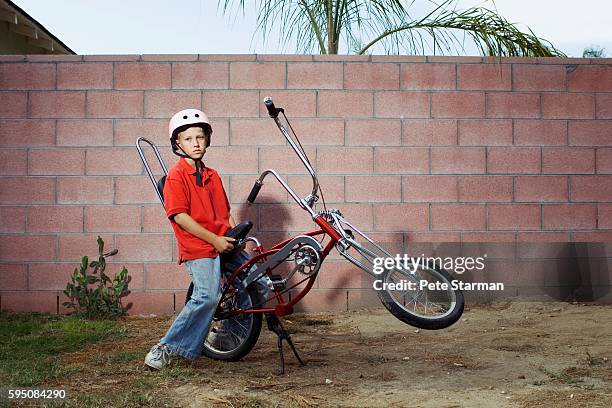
(254, 192)
(272, 111)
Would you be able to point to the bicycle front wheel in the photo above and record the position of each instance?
(422, 297)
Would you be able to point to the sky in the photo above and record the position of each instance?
(199, 26)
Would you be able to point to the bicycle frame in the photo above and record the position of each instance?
(283, 307)
(330, 223)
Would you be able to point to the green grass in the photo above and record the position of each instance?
(29, 343)
(567, 378)
(562, 377)
(248, 402)
(317, 322)
(180, 373)
(119, 358)
(142, 392)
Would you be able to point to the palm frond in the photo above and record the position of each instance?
(491, 33)
(323, 25)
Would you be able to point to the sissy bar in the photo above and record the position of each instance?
(157, 184)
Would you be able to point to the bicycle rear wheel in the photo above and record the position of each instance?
(232, 335)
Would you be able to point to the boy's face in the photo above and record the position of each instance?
(193, 141)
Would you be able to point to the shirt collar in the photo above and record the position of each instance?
(191, 170)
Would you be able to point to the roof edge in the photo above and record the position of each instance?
(40, 26)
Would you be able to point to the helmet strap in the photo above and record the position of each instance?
(198, 163)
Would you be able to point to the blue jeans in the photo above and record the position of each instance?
(261, 285)
(237, 325)
(188, 331)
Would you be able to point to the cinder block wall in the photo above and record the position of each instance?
(413, 149)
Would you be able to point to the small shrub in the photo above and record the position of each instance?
(593, 51)
(95, 295)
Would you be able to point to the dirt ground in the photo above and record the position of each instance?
(515, 354)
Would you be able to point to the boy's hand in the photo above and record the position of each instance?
(224, 244)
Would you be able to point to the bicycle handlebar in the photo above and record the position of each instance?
(272, 111)
(308, 201)
(254, 191)
(302, 203)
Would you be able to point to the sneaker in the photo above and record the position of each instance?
(221, 340)
(158, 357)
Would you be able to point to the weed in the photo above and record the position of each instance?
(569, 376)
(95, 295)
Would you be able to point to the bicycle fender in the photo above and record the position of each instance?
(280, 256)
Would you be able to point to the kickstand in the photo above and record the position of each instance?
(275, 325)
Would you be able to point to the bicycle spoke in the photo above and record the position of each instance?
(244, 328)
(422, 302)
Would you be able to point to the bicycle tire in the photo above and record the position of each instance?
(442, 314)
(244, 328)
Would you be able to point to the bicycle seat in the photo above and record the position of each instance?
(160, 185)
(240, 231)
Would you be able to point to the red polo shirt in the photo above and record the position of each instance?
(208, 205)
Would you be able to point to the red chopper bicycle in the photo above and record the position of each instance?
(293, 265)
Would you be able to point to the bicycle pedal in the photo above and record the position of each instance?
(277, 282)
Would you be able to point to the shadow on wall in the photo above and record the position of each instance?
(582, 275)
(564, 271)
(252, 213)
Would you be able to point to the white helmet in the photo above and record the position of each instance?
(186, 119)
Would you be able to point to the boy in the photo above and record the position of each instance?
(199, 211)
